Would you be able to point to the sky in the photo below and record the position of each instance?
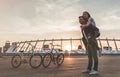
(40, 19)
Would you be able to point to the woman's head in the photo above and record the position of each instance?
(82, 20)
(86, 15)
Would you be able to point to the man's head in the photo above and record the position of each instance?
(82, 20)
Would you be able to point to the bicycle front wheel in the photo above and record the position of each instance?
(60, 59)
(16, 61)
(47, 60)
(35, 61)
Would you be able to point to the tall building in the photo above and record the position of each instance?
(6, 47)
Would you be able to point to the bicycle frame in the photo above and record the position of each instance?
(54, 54)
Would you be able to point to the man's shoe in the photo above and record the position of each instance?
(93, 72)
(86, 71)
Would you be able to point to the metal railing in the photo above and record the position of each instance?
(37, 45)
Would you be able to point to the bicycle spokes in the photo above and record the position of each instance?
(35, 61)
(60, 59)
(47, 60)
(16, 61)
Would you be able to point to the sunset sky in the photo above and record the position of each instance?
(39, 19)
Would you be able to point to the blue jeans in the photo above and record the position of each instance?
(91, 48)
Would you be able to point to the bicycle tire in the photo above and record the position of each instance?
(60, 59)
(47, 60)
(35, 61)
(16, 61)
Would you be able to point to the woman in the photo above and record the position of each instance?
(88, 18)
(91, 45)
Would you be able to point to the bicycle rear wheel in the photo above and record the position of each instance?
(16, 61)
(60, 59)
(47, 60)
(35, 61)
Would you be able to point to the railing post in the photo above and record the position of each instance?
(71, 43)
(108, 43)
(43, 43)
(36, 44)
(115, 45)
(27, 47)
(22, 46)
(100, 43)
(61, 44)
(17, 46)
(81, 42)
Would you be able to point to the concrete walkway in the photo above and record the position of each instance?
(109, 66)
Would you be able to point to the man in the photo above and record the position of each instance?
(90, 42)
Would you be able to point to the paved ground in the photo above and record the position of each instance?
(109, 66)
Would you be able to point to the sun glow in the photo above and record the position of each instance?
(68, 47)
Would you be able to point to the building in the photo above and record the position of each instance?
(6, 47)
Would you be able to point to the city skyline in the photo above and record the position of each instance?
(39, 19)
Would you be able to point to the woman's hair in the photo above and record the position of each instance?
(87, 13)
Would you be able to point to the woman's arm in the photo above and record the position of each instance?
(90, 21)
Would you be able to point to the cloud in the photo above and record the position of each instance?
(29, 17)
(110, 20)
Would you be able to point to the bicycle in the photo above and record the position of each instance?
(53, 56)
(18, 59)
(35, 60)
